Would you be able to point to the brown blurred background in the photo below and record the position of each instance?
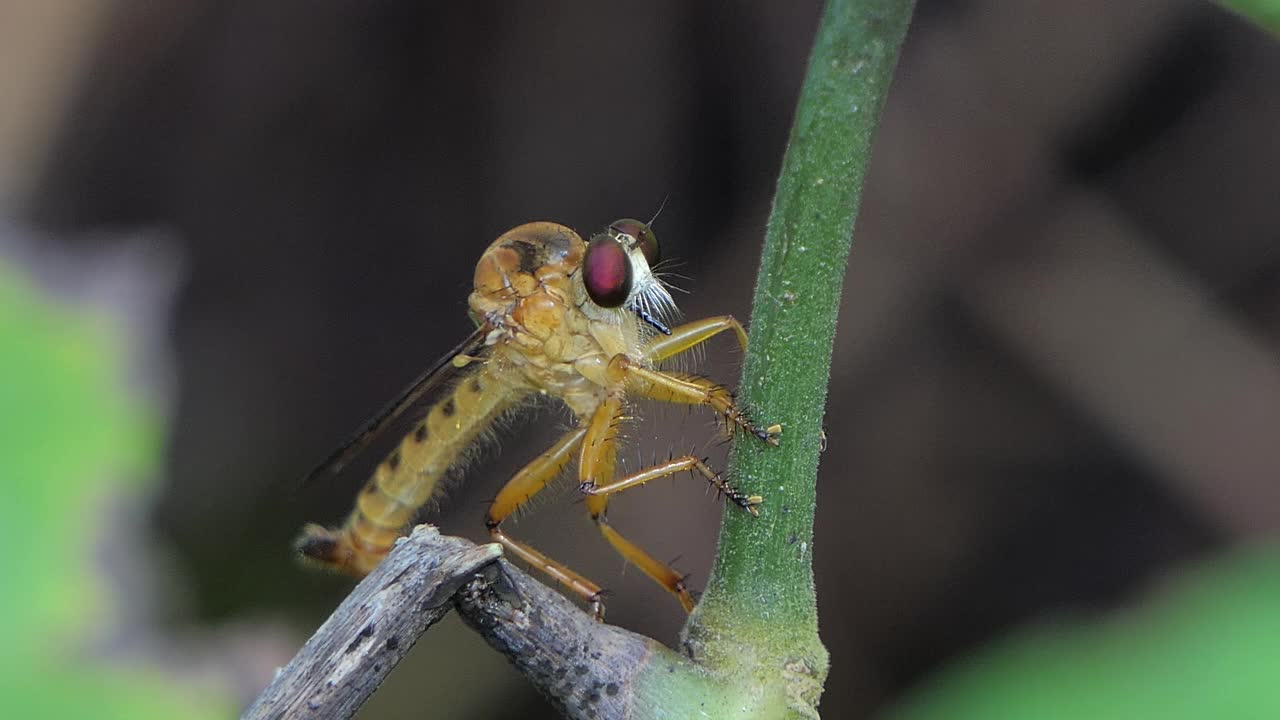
(1057, 375)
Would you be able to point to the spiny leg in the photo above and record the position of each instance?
(671, 467)
(693, 333)
(675, 387)
(581, 586)
(595, 469)
(533, 477)
(632, 553)
(517, 492)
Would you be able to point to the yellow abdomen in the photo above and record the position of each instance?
(408, 477)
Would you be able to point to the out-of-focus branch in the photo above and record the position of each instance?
(1119, 330)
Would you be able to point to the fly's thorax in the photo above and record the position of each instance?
(523, 283)
(534, 261)
(525, 289)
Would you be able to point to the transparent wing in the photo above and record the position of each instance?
(440, 373)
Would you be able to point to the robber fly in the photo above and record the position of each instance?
(583, 322)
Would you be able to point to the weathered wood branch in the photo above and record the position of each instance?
(346, 660)
(582, 666)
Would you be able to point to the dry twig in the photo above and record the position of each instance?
(582, 666)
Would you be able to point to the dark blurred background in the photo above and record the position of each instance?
(1056, 381)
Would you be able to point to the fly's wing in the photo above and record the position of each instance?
(440, 373)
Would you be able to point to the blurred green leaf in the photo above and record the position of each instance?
(1209, 647)
(1263, 13)
(70, 437)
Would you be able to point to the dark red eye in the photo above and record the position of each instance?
(606, 272)
(645, 239)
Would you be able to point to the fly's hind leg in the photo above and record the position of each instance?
(517, 492)
(596, 469)
(662, 573)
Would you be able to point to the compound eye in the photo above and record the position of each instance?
(645, 239)
(606, 271)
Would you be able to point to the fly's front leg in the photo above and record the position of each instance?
(694, 333)
(595, 470)
(676, 387)
(517, 492)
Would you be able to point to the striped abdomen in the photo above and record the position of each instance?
(407, 478)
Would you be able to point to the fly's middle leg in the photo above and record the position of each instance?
(595, 470)
(517, 492)
(684, 463)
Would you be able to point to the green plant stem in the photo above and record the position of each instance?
(759, 608)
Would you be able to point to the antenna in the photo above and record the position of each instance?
(660, 208)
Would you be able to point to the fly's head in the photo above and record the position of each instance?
(617, 274)
(540, 287)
